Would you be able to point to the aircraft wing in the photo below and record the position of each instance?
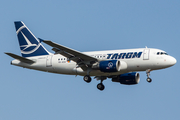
(74, 55)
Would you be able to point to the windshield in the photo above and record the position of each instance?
(162, 53)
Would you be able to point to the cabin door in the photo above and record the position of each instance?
(146, 54)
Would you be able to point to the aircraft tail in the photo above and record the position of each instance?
(29, 44)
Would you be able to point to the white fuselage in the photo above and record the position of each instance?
(150, 58)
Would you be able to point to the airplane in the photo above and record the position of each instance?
(120, 66)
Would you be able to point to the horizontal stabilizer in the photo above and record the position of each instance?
(22, 59)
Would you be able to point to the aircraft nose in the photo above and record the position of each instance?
(172, 61)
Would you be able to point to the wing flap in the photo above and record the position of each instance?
(58, 51)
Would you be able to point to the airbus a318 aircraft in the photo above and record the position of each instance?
(119, 65)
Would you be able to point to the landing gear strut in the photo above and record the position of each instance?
(148, 74)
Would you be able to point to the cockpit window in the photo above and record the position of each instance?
(162, 53)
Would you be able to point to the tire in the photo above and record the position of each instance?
(100, 86)
(149, 80)
(87, 78)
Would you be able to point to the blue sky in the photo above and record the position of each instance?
(90, 26)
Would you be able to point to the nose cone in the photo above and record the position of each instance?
(172, 61)
(165, 61)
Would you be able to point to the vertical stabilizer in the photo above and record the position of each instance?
(29, 44)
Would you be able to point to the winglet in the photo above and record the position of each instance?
(40, 40)
(22, 59)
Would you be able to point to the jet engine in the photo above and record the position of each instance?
(107, 66)
(127, 78)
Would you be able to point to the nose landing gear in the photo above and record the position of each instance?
(148, 74)
(149, 80)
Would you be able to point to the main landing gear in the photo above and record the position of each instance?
(87, 78)
(148, 74)
(100, 86)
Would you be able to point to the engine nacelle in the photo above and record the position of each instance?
(127, 78)
(107, 66)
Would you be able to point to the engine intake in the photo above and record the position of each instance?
(127, 78)
(107, 66)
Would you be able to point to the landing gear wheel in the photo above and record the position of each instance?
(100, 86)
(148, 74)
(87, 78)
(149, 79)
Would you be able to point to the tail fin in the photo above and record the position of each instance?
(29, 44)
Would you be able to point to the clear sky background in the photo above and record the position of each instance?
(90, 26)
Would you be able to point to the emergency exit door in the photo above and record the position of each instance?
(49, 61)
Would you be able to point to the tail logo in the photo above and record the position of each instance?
(29, 47)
